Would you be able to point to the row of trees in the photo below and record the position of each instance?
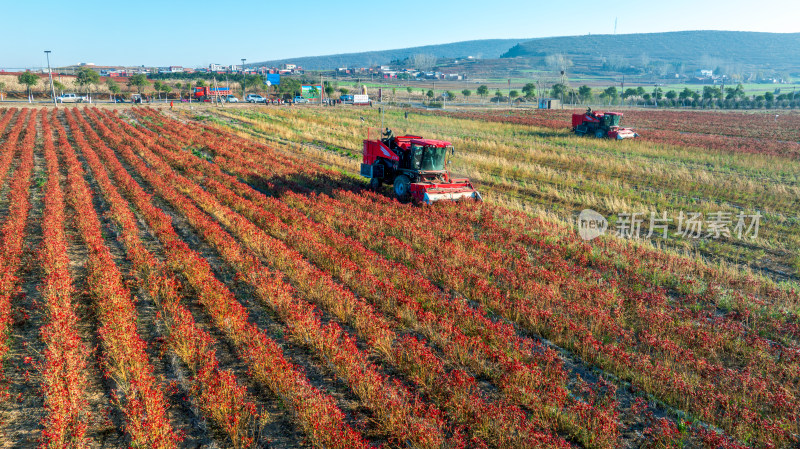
(86, 78)
(709, 96)
(528, 92)
(88, 82)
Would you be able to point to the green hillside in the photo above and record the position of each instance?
(732, 50)
(485, 49)
(750, 55)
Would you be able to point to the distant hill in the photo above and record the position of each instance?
(695, 49)
(646, 54)
(484, 49)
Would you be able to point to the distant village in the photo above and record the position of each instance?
(376, 72)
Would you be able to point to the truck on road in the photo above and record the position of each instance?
(355, 99)
(205, 93)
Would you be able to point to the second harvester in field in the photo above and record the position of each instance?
(601, 125)
(415, 167)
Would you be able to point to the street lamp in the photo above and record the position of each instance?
(244, 88)
(50, 74)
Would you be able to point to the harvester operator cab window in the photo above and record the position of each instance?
(611, 120)
(428, 157)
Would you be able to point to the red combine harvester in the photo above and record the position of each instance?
(415, 167)
(600, 125)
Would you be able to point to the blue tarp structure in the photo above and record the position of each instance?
(273, 78)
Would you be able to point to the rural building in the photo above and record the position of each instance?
(549, 103)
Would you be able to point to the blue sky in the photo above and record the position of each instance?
(148, 32)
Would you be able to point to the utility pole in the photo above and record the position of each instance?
(244, 87)
(509, 92)
(50, 74)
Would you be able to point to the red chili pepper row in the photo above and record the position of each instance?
(415, 300)
(317, 414)
(12, 232)
(733, 385)
(64, 370)
(8, 115)
(688, 329)
(753, 302)
(219, 396)
(459, 349)
(401, 414)
(577, 317)
(139, 394)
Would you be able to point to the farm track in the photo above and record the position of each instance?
(461, 326)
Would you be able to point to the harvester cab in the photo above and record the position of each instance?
(601, 125)
(416, 168)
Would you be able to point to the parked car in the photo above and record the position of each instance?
(253, 98)
(231, 99)
(299, 99)
(71, 98)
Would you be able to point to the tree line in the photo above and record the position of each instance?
(708, 97)
(88, 82)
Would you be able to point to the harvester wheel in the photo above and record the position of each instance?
(599, 134)
(401, 185)
(375, 184)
